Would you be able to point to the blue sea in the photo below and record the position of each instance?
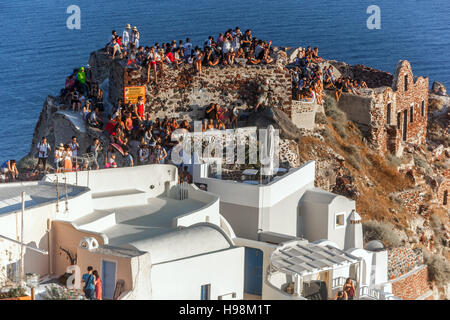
(38, 51)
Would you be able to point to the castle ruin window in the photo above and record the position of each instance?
(388, 114)
(406, 82)
(445, 198)
(422, 111)
(411, 113)
(399, 119)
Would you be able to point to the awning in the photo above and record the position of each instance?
(304, 259)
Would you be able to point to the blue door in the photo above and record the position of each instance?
(205, 292)
(253, 271)
(108, 279)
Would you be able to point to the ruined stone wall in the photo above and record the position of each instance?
(373, 78)
(412, 286)
(416, 93)
(182, 94)
(303, 114)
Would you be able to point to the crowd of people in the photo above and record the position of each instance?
(227, 49)
(342, 84)
(308, 76)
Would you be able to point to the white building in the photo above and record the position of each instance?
(288, 214)
(148, 237)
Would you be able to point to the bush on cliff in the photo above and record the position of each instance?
(321, 118)
(332, 110)
(383, 231)
(27, 163)
(438, 268)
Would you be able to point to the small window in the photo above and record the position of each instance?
(411, 113)
(399, 119)
(206, 292)
(406, 82)
(445, 198)
(388, 114)
(422, 111)
(340, 221)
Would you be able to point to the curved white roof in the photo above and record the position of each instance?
(182, 243)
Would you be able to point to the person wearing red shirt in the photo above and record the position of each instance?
(110, 125)
(140, 107)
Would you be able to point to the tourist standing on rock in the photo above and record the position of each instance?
(9, 167)
(80, 81)
(67, 158)
(59, 158)
(134, 38)
(43, 149)
(95, 149)
(126, 35)
(74, 147)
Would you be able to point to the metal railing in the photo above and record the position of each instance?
(183, 192)
(365, 291)
(340, 281)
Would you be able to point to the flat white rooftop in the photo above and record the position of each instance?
(36, 193)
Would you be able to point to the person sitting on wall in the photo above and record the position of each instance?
(341, 295)
(8, 168)
(210, 58)
(94, 119)
(251, 58)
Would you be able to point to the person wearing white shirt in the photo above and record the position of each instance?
(126, 35)
(74, 147)
(187, 49)
(43, 149)
(59, 158)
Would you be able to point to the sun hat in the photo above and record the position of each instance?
(134, 28)
(127, 26)
(61, 146)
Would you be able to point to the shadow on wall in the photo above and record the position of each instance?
(34, 261)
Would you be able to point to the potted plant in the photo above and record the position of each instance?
(17, 293)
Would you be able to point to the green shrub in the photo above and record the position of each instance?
(352, 159)
(27, 163)
(383, 231)
(422, 163)
(332, 110)
(438, 268)
(393, 160)
(438, 229)
(321, 118)
(340, 129)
